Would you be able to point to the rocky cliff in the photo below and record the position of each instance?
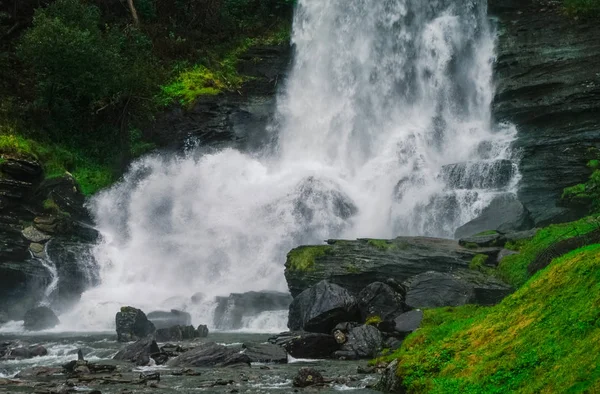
(548, 84)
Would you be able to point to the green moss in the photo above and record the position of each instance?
(543, 338)
(471, 245)
(382, 244)
(352, 269)
(585, 8)
(489, 232)
(303, 257)
(594, 164)
(478, 262)
(516, 245)
(373, 320)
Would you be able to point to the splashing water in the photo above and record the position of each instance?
(382, 95)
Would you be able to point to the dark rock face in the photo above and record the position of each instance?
(266, 353)
(308, 377)
(479, 175)
(202, 331)
(437, 289)
(19, 350)
(379, 299)
(390, 382)
(139, 352)
(210, 355)
(504, 214)
(169, 319)
(483, 241)
(355, 264)
(321, 307)
(231, 310)
(307, 344)
(132, 324)
(361, 342)
(408, 322)
(547, 85)
(40, 318)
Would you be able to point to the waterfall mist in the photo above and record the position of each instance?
(382, 95)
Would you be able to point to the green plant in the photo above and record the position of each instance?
(303, 258)
(373, 320)
(478, 262)
(382, 244)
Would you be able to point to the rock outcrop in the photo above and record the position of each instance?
(132, 324)
(40, 318)
(231, 311)
(169, 319)
(210, 354)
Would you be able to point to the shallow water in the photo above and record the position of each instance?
(101, 347)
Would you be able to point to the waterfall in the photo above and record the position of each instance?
(384, 128)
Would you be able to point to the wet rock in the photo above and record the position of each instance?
(504, 214)
(435, 289)
(38, 250)
(169, 334)
(392, 343)
(479, 175)
(22, 169)
(162, 319)
(132, 324)
(408, 322)
(390, 382)
(362, 342)
(32, 234)
(265, 353)
(231, 311)
(308, 377)
(483, 240)
(354, 264)
(210, 354)
(66, 194)
(503, 253)
(379, 299)
(309, 345)
(202, 331)
(139, 352)
(146, 376)
(40, 318)
(321, 307)
(35, 372)
(19, 350)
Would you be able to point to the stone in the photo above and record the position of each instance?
(379, 299)
(436, 289)
(38, 250)
(231, 311)
(390, 382)
(32, 234)
(504, 214)
(362, 342)
(408, 322)
(321, 307)
(139, 352)
(483, 240)
(202, 331)
(265, 353)
(162, 319)
(210, 354)
(355, 264)
(40, 318)
(306, 345)
(19, 351)
(495, 174)
(308, 377)
(22, 169)
(503, 253)
(169, 334)
(34, 372)
(132, 324)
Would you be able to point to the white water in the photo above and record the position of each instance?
(381, 92)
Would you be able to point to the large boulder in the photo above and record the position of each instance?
(379, 299)
(132, 324)
(210, 354)
(169, 319)
(40, 318)
(17, 350)
(139, 352)
(321, 307)
(437, 289)
(407, 323)
(231, 311)
(265, 353)
(361, 342)
(354, 264)
(504, 214)
(308, 377)
(308, 345)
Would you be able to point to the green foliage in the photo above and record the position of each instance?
(543, 338)
(352, 269)
(382, 244)
(513, 268)
(586, 194)
(471, 245)
(303, 257)
(586, 8)
(489, 232)
(373, 320)
(478, 262)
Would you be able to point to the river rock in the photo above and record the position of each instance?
(139, 352)
(18, 350)
(32, 234)
(408, 322)
(504, 214)
(162, 319)
(40, 318)
(34, 372)
(210, 354)
(321, 307)
(308, 345)
(355, 264)
(265, 353)
(202, 331)
(390, 381)
(308, 377)
(436, 289)
(231, 311)
(361, 342)
(379, 299)
(132, 324)
(169, 334)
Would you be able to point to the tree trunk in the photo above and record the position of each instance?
(134, 15)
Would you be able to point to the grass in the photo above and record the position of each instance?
(478, 262)
(303, 257)
(544, 338)
(489, 232)
(382, 244)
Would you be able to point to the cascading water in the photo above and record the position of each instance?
(382, 96)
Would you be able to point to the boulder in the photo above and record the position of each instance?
(231, 311)
(40, 318)
(202, 331)
(503, 253)
(162, 319)
(390, 381)
(307, 345)
(504, 214)
(32, 234)
(19, 350)
(361, 342)
(490, 239)
(408, 322)
(379, 299)
(308, 377)
(354, 264)
(132, 324)
(436, 289)
(210, 354)
(139, 352)
(169, 334)
(265, 353)
(321, 307)
(22, 169)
